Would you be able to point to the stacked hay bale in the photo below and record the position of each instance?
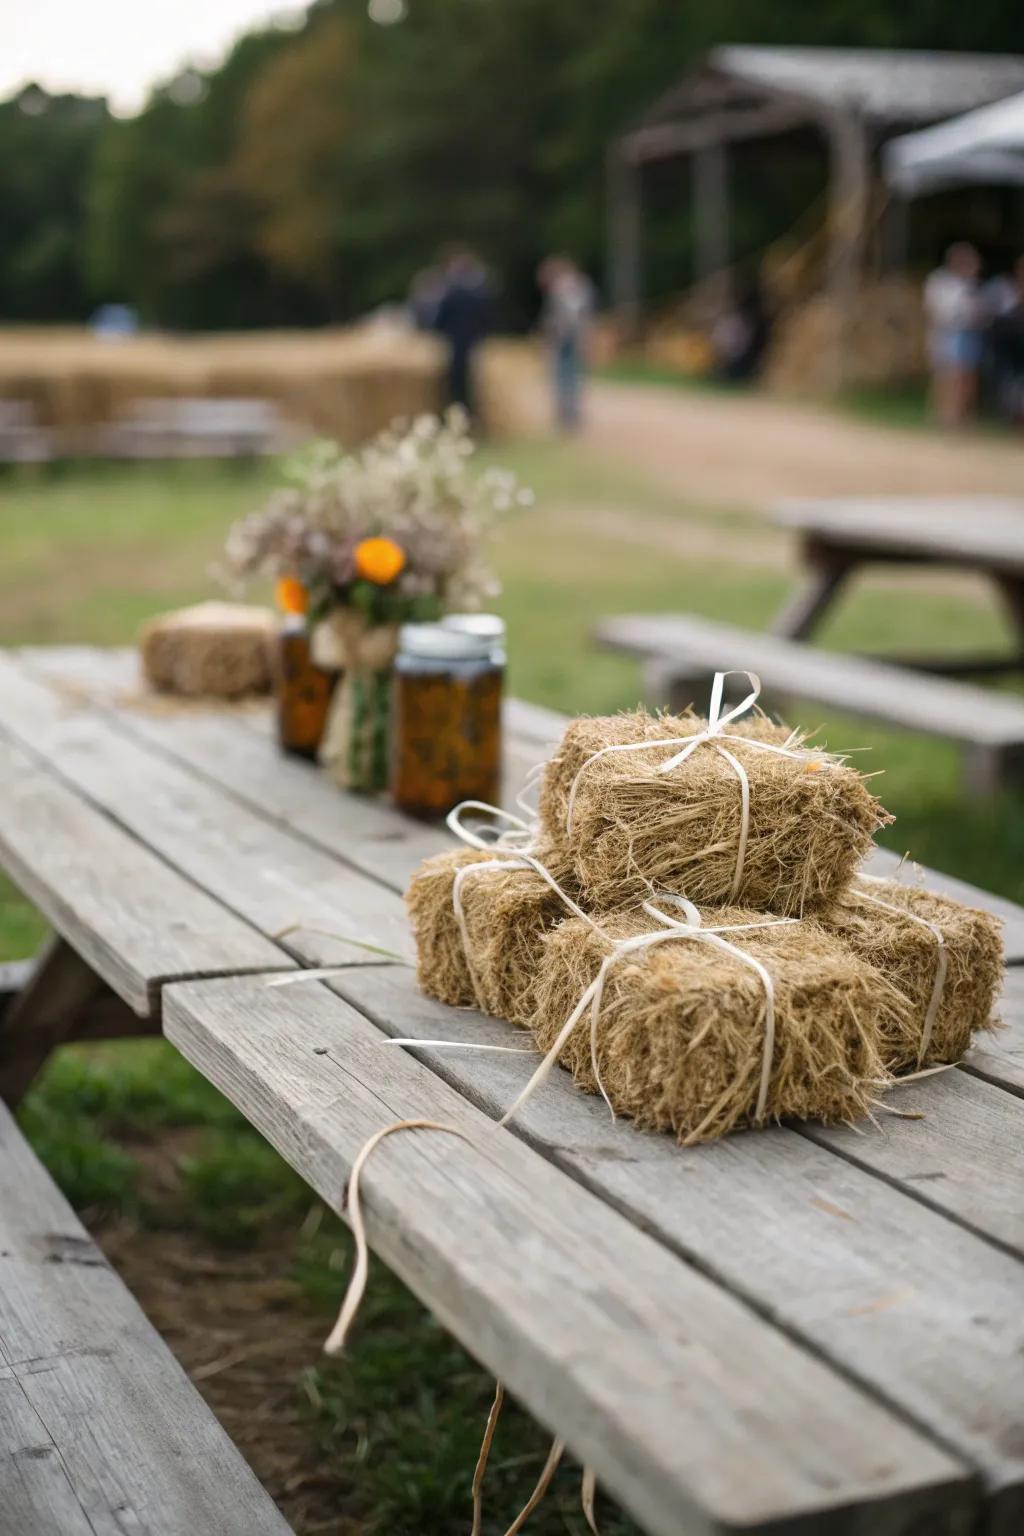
(691, 935)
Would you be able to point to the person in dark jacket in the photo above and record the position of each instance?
(463, 318)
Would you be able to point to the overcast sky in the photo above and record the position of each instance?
(119, 48)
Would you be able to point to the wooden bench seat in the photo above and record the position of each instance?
(100, 1428)
(681, 651)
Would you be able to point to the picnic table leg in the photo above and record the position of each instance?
(1012, 590)
(61, 999)
(826, 570)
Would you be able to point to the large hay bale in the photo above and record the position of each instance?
(680, 1033)
(506, 906)
(217, 650)
(348, 383)
(899, 944)
(629, 829)
(882, 343)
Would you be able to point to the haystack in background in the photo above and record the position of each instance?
(885, 343)
(342, 383)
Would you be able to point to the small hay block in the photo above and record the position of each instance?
(507, 910)
(632, 829)
(217, 650)
(681, 1028)
(908, 955)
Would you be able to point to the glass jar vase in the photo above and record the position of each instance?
(446, 718)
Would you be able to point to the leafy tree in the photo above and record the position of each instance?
(46, 147)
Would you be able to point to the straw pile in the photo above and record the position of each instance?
(907, 953)
(632, 829)
(676, 1031)
(681, 1029)
(346, 383)
(507, 908)
(217, 650)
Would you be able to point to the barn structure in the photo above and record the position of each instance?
(857, 98)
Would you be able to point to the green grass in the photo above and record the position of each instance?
(87, 554)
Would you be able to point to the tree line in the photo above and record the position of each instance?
(314, 171)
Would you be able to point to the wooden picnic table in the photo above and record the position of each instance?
(839, 535)
(796, 1330)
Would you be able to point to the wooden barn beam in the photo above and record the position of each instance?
(625, 219)
(848, 216)
(710, 210)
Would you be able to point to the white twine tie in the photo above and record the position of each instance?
(941, 961)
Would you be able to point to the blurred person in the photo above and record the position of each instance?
(954, 311)
(568, 308)
(739, 337)
(463, 317)
(1005, 303)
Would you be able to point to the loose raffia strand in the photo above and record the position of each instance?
(548, 1471)
(335, 1341)
(588, 1492)
(482, 1458)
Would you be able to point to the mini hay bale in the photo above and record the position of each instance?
(811, 817)
(223, 650)
(908, 954)
(506, 911)
(681, 1029)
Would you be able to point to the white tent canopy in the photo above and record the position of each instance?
(985, 146)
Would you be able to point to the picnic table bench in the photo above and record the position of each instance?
(805, 1329)
(838, 535)
(681, 652)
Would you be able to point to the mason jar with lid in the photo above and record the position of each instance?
(446, 737)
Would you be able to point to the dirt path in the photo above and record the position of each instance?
(747, 451)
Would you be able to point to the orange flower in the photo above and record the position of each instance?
(379, 560)
(291, 595)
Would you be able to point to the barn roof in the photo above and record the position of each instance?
(766, 89)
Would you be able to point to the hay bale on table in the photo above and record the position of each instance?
(811, 817)
(217, 650)
(681, 1028)
(908, 954)
(507, 909)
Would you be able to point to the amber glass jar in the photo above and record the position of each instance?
(303, 690)
(446, 731)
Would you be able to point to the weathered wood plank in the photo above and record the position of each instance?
(131, 918)
(964, 1156)
(695, 1412)
(36, 1497)
(100, 1429)
(999, 1057)
(982, 531)
(873, 689)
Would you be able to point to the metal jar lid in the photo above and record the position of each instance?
(487, 625)
(437, 642)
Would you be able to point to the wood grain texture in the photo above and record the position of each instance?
(696, 1412)
(131, 918)
(881, 1332)
(964, 1155)
(100, 1430)
(999, 1057)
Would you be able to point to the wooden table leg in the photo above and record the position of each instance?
(826, 570)
(61, 1000)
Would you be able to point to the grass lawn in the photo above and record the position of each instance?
(89, 552)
